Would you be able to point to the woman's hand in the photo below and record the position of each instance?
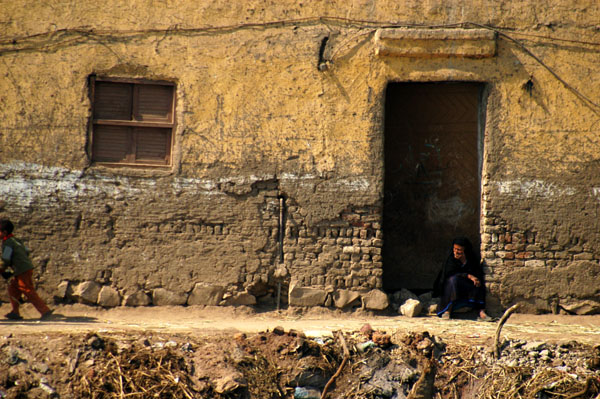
(474, 279)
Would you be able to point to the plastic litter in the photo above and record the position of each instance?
(47, 388)
(307, 393)
(364, 346)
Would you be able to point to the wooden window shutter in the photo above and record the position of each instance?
(111, 143)
(154, 103)
(113, 101)
(152, 145)
(132, 122)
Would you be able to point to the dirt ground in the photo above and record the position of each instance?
(242, 352)
(202, 321)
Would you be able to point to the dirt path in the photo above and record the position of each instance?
(201, 321)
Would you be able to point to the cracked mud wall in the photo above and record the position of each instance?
(257, 120)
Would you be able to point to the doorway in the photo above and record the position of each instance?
(433, 155)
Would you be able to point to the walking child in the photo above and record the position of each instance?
(15, 255)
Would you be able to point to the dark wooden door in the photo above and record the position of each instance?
(432, 178)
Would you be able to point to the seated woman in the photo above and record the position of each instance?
(460, 283)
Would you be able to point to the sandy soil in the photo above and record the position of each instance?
(202, 321)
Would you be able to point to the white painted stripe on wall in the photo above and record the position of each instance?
(533, 189)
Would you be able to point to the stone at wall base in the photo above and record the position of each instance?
(583, 307)
(242, 298)
(411, 308)
(304, 296)
(138, 298)
(329, 301)
(375, 300)
(206, 295)
(109, 297)
(257, 288)
(64, 291)
(345, 298)
(432, 308)
(164, 297)
(87, 292)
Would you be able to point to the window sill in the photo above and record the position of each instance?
(134, 170)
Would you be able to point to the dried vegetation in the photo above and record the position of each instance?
(276, 364)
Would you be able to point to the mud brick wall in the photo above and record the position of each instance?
(137, 233)
(541, 252)
(284, 101)
(341, 255)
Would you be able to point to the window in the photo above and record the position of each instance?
(133, 122)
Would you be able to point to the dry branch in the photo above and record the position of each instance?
(339, 370)
(503, 320)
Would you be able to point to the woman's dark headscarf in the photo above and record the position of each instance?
(466, 244)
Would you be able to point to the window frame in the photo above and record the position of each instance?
(133, 123)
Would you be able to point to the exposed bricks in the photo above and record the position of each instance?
(506, 252)
(349, 255)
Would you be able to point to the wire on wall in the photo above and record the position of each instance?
(51, 40)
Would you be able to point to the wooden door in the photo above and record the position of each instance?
(432, 178)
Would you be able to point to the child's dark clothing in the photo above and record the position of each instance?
(16, 256)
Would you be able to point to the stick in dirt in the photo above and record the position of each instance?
(339, 370)
(503, 320)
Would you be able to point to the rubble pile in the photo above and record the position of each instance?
(291, 364)
(525, 370)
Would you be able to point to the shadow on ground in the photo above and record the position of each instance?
(55, 318)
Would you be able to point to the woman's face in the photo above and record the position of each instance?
(459, 251)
